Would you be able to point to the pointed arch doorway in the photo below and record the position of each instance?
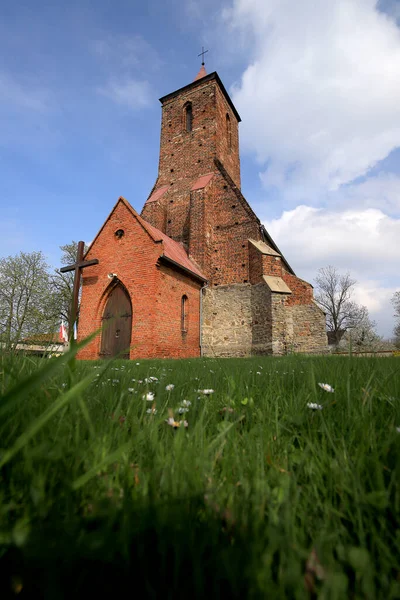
(117, 322)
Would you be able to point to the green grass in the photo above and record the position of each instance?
(269, 500)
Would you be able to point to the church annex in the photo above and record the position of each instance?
(195, 273)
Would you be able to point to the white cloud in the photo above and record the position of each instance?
(354, 239)
(320, 100)
(363, 242)
(129, 92)
(382, 190)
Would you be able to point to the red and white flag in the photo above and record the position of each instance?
(63, 333)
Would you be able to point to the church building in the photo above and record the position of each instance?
(196, 273)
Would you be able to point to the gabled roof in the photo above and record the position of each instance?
(202, 73)
(173, 252)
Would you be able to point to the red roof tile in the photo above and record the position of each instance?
(156, 195)
(201, 182)
(172, 250)
(202, 73)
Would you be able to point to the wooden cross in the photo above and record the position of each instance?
(202, 53)
(77, 267)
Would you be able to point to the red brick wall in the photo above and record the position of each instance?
(185, 156)
(155, 292)
(227, 153)
(232, 226)
(302, 292)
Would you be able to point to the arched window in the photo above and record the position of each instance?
(188, 116)
(228, 131)
(184, 314)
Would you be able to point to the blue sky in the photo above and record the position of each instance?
(317, 87)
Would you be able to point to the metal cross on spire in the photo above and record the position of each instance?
(202, 53)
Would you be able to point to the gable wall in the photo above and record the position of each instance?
(155, 292)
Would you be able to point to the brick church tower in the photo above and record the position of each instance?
(253, 302)
(196, 273)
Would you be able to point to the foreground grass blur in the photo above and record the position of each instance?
(263, 494)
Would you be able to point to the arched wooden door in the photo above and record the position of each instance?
(117, 323)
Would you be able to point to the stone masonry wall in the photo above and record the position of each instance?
(237, 320)
(227, 318)
(309, 329)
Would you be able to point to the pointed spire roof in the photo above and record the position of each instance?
(202, 73)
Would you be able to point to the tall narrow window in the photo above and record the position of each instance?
(184, 314)
(228, 131)
(188, 117)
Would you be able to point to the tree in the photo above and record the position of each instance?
(396, 304)
(363, 336)
(26, 300)
(333, 294)
(64, 283)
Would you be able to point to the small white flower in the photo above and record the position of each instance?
(175, 424)
(169, 387)
(182, 410)
(186, 403)
(149, 396)
(115, 380)
(205, 392)
(153, 378)
(138, 363)
(314, 406)
(133, 379)
(151, 411)
(326, 387)
(258, 373)
(130, 390)
(398, 429)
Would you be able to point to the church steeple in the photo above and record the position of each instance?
(199, 135)
(199, 124)
(202, 73)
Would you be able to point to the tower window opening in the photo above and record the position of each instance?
(228, 131)
(184, 314)
(188, 114)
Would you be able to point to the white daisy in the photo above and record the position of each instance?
(314, 406)
(169, 387)
(205, 392)
(326, 387)
(149, 396)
